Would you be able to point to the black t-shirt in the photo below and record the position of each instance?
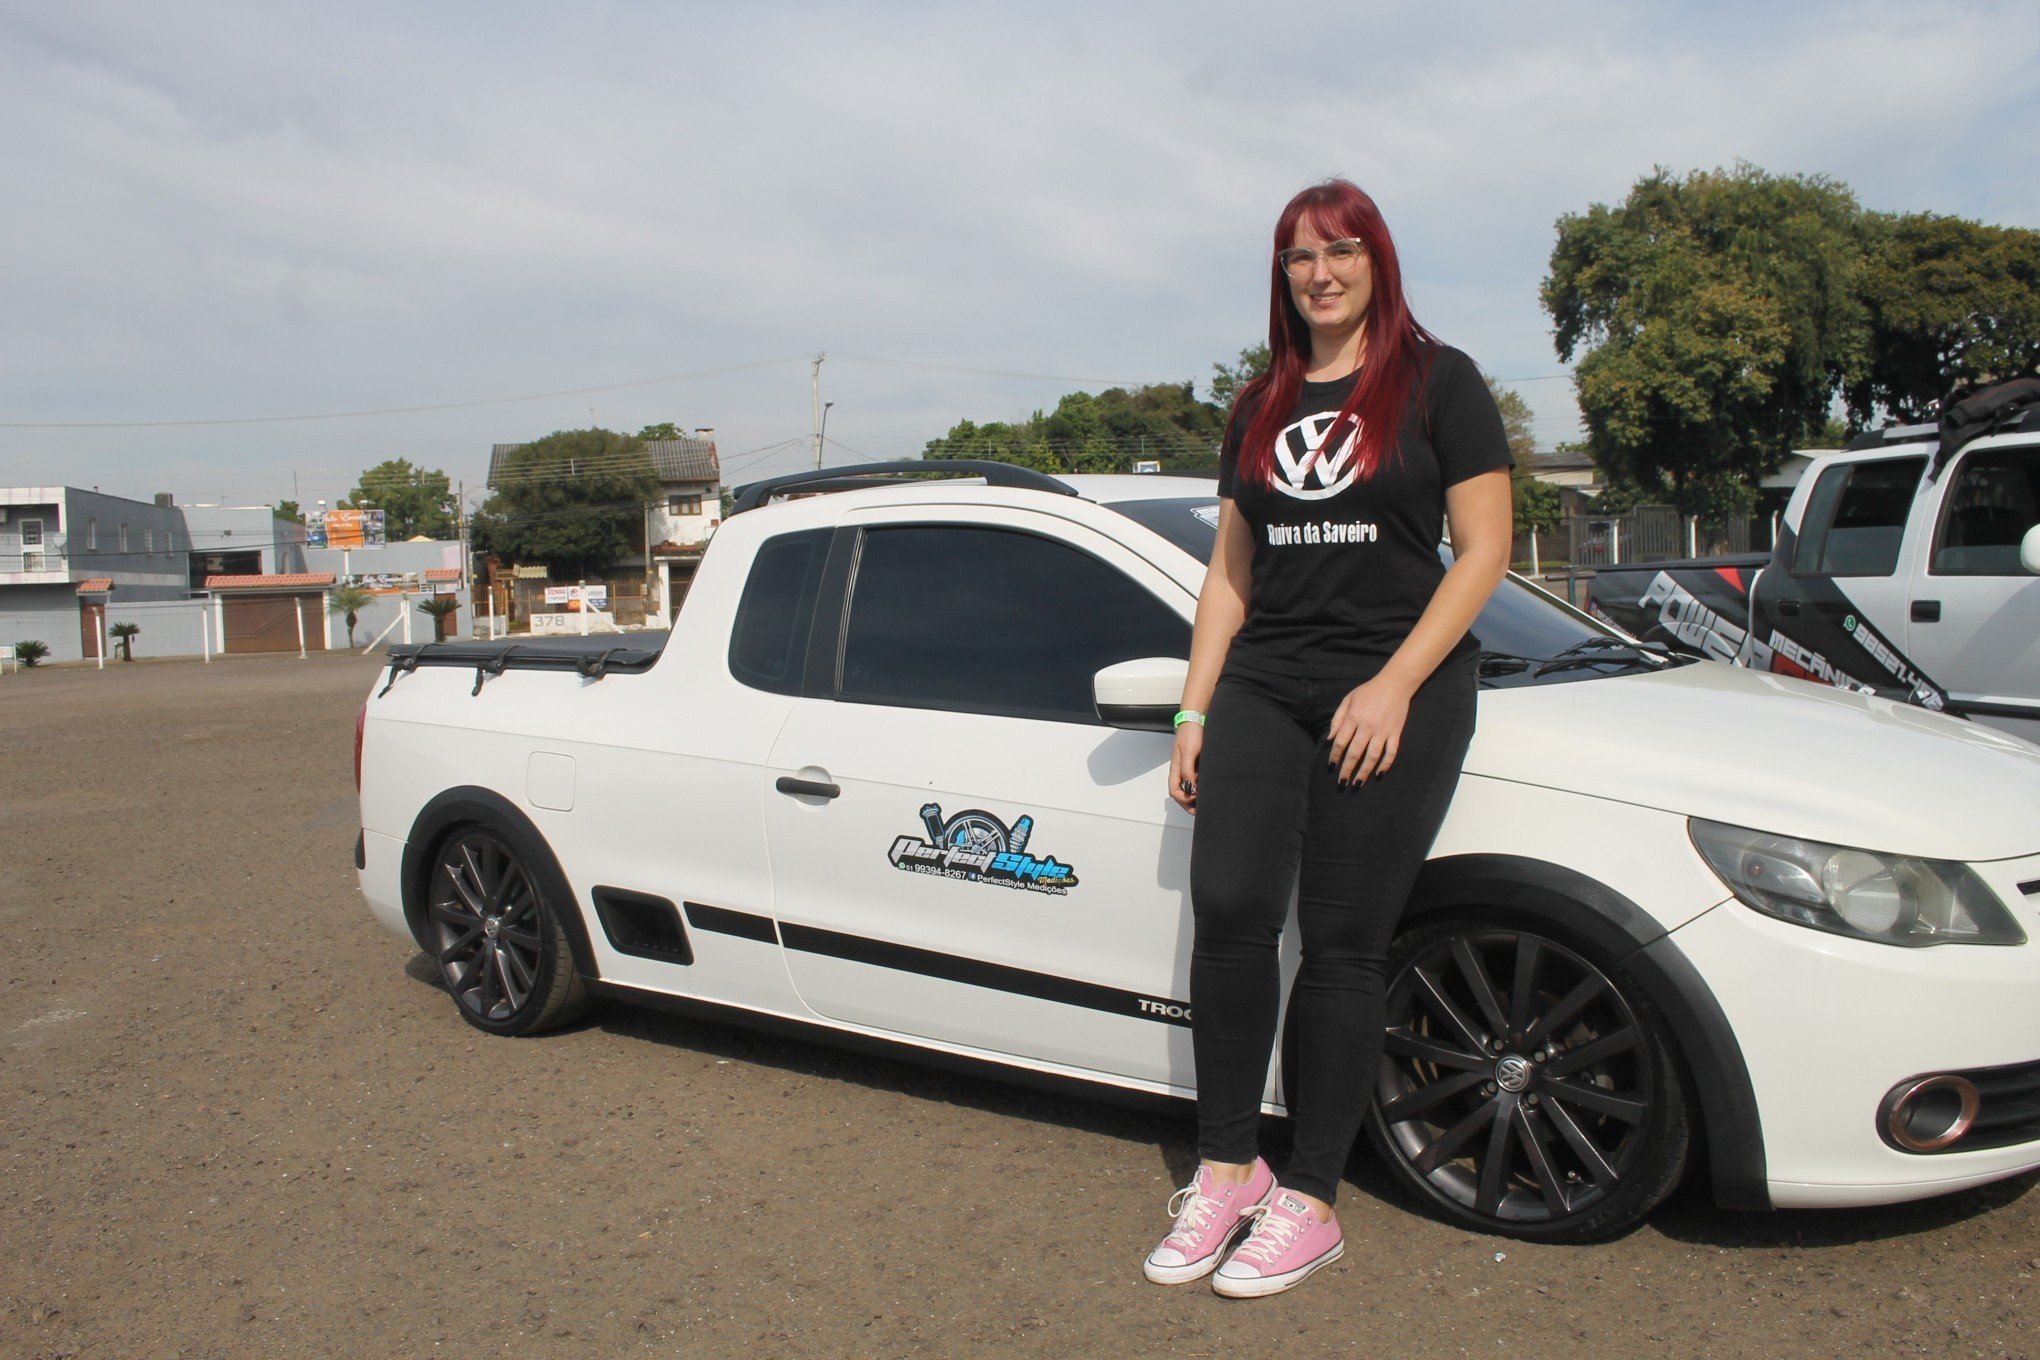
(1343, 567)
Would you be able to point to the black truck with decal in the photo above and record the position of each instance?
(1906, 565)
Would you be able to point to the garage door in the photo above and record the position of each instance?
(269, 623)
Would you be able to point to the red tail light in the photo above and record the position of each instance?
(360, 723)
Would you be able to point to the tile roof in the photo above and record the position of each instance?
(442, 573)
(673, 460)
(286, 581)
(98, 585)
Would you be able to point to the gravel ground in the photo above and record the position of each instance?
(238, 1119)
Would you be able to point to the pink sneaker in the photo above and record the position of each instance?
(1287, 1245)
(1207, 1218)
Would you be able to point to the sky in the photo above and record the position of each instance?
(249, 249)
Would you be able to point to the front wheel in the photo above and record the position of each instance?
(500, 948)
(1526, 1087)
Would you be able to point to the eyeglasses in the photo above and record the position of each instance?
(1341, 257)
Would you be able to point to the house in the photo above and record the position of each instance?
(679, 524)
(67, 553)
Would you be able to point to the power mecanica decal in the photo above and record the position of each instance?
(977, 847)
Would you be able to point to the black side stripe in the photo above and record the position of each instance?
(977, 973)
(723, 921)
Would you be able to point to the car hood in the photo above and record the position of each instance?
(1759, 750)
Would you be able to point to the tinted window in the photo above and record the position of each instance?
(993, 621)
(1855, 519)
(768, 640)
(1995, 500)
(1518, 618)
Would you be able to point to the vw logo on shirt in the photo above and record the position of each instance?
(1309, 464)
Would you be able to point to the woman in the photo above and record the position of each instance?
(1329, 704)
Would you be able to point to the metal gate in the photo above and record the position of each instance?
(269, 623)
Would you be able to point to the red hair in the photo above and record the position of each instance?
(1394, 360)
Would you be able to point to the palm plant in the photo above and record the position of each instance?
(124, 633)
(350, 601)
(30, 651)
(440, 607)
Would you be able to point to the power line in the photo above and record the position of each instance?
(395, 410)
(991, 372)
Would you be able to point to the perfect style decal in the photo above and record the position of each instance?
(977, 847)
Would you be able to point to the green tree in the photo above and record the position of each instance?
(1714, 319)
(1104, 432)
(574, 501)
(289, 510)
(125, 633)
(1251, 364)
(1517, 421)
(441, 608)
(665, 429)
(1951, 303)
(349, 601)
(413, 500)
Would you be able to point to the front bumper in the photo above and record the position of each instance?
(1828, 1025)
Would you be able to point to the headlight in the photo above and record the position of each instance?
(1892, 899)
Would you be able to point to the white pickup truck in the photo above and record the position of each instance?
(897, 778)
(1907, 565)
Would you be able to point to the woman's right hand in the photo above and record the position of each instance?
(1183, 766)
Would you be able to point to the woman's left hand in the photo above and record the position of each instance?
(1367, 729)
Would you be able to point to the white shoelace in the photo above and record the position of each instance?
(1273, 1235)
(1192, 1213)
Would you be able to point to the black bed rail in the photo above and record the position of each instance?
(591, 658)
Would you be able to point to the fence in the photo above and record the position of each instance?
(169, 628)
(1648, 533)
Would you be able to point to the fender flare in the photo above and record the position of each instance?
(1700, 1032)
(472, 806)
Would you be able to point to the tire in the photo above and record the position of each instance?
(501, 950)
(1558, 1116)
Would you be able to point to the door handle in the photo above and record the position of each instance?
(1926, 611)
(1788, 608)
(806, 788)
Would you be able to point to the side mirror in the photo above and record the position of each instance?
(2029, 550)
(1141, 694)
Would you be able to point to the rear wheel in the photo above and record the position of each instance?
(499, 944)
(1526, 1085)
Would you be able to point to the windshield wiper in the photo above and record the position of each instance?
(1607, 651)
(1593, 651)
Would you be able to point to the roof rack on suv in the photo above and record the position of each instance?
(1891, 434)
(818, 480)
(2002, 408)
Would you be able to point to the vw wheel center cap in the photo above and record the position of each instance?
(1513, 1072)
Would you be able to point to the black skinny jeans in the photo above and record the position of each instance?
(1270, 814)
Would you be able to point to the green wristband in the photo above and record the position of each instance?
(1189, 715)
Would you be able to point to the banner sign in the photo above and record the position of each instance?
(345, 529)
(1769, 619)
(570, 598)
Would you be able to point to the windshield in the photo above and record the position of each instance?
(1520, 622)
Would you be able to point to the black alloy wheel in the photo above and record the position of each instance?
(1525, 1086)
(501, 951)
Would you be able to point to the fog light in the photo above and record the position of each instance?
(1929, 1114)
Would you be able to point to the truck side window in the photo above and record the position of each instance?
(769, 638)
(985, 620)
(1855, 519)
(1994, 501)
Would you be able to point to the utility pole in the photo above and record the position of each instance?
(460, 533)
(815, 383)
